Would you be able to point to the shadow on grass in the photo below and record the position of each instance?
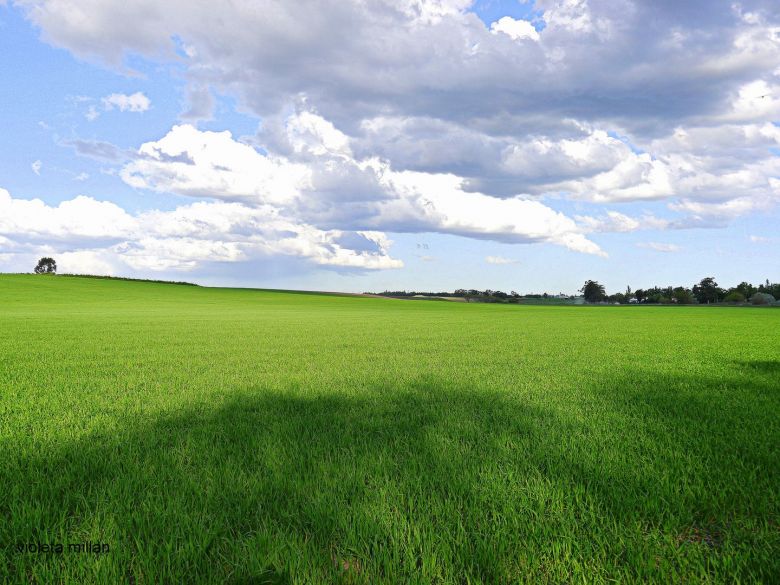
(421, 483)
(769, 367)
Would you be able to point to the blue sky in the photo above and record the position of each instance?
(418, 144)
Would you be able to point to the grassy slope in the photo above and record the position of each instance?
(216, 435)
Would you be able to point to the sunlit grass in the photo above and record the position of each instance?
(215, 435)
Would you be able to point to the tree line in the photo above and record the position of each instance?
(706, 291)
(488, 296)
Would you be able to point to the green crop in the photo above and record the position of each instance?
(200, 435)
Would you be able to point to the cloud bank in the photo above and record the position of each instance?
(89, 233)
(415, 116)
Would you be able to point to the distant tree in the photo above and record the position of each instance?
(619, 298)
(656, 295)
(593, 291)
(746, 289)
(46, 266)
(769, 288)
(762, 299)
(640, 295)
(472, 294)
(683, 296)
(734, 297)
(707, 291)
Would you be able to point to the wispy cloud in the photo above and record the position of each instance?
(36, 167)
(659, 246)
(92, 114)
(500, 260)
(136, 102)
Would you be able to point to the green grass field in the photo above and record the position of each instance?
(241, 436)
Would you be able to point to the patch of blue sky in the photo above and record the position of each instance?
(490, 11)
(229, 115)
(627, 141)
(50, 99)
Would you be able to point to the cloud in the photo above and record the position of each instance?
(612, 222)
(136, 102)
(190, 162)
(100, 233)
(309, 133)
(547, 162)
(320, 183)
(97, 149)
(81, 217)
(413, 115)
(88, 262)
(515, 29)
(36, 167)
(659, 247)
(616, 222)
(200, 104)
(722, 212)
(500, 260)
(421, 57)
(92, 113)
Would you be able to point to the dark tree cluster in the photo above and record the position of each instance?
(705, 292)
(412, 293)
(470, 294)
(46, 266)
(487, 296)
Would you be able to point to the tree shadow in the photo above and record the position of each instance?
(768, 367)
(418, 483)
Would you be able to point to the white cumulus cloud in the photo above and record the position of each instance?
(323, 185)
(94, 235)
(515, 29)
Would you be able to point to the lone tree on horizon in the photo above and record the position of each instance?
(593, 291)
(46, 266)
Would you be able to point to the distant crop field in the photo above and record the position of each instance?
(197, 435)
